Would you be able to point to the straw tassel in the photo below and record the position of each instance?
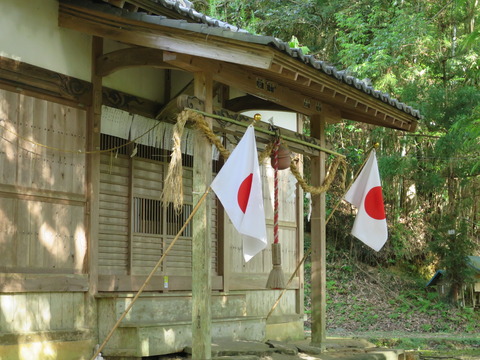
(276, 279)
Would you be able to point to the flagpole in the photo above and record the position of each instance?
(155, 268)
(308, 252)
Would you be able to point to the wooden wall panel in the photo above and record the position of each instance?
(135, 227)
(42, 236)
(146, 251)
(42, 144)
(28, 313)
(147, 246)
(113, 242)
(214, 236)
(42, 186)
(148, 179)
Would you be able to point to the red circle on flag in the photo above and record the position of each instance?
(244, 192)
(374, 203)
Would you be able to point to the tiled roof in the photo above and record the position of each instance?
(200, 23)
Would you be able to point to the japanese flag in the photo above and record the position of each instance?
(239, 188)
(370, 225)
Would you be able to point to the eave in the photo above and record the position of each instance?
(287, 79)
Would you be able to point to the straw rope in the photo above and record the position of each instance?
(173, 190)
(332, 171)
(308, 252)
(202, 125)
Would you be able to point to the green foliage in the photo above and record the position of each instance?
(378, 41)
(294, 43)
(452, 251)
(426, 54)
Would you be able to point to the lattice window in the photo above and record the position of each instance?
(175, 220)
(135, 226)
(147, 216)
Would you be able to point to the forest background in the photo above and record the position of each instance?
(425, 53)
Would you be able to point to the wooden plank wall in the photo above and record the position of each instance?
(33, 312)
(147, 245)
(130, 243)
(113, 241)
(42, 220)
(42, 189)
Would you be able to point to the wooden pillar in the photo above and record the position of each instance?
(300, 293)
(93, 182)
(319, 289)
(201, 247)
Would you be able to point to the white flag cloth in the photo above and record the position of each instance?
(239, 188)
(370, 225)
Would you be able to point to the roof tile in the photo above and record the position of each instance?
(206, 25)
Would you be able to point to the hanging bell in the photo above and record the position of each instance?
(283, 158)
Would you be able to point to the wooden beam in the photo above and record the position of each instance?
(129, 283)
(250, 102)
(300, 234)
(96, 23)
(229, 128)
(201, 243)
(262, 88)
(130, 103)
(29, 79)
(117, 3)
(318, 241)
(93, 184)
(243, 282)
(49, 336)
(130, 212)
(305, 99)
(43, 195)
(131, 57)
(40, 282)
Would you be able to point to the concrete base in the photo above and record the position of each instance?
(285, 332)
(286, 328)
(48, 350)
(143, 339)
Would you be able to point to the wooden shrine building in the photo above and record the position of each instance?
(89, 95)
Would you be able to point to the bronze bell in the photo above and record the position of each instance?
(283, 158)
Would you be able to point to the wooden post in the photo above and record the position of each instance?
(201, 247)
(300, 293)
(93, 183)
(319, 289)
